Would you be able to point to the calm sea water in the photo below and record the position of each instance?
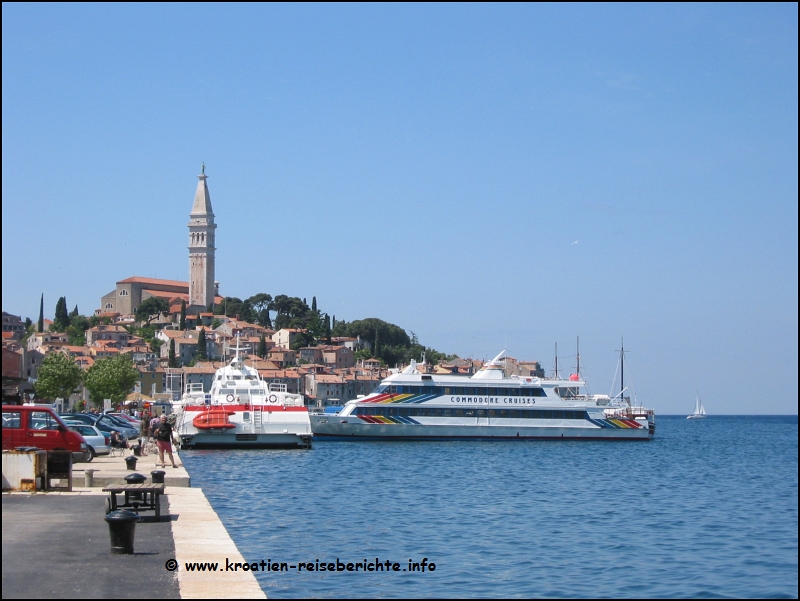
(706, 509)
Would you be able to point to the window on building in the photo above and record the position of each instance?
(123, 293)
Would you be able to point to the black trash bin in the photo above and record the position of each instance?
(121, 525)
(157, 476)
(137, 451)
(130, 462)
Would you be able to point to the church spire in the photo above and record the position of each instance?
(202, 200)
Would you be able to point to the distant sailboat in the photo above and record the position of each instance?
(699, 410)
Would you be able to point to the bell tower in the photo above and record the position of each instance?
(201, 247)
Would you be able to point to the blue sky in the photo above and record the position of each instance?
(485, 176)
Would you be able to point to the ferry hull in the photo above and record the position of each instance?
(211, 440)
(348, 431)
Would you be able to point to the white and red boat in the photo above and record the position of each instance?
(241, 411)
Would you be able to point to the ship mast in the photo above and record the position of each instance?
(555, 368)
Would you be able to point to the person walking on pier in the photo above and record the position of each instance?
(163, 436)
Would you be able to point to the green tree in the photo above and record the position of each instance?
(260, 302)
(151, 308)
(58, 377)
(262, 346)
(155, 345)
(215, 323)
(74, 312)
(302, 339)
(202, 352)
(111, 378)
(314, 304)
(173, 360)
(76, 336)
(41, 315)
(61, 321)
(183, 315)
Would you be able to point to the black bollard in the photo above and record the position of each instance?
(157, 476)
(130, 462)
(134, 479)
(137, 451)
(121, 525)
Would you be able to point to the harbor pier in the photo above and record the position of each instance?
(56, 544)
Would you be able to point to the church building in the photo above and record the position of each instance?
(201, 289)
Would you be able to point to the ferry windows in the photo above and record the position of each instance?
(226, 390)
(469, 413)
(246, 416)
(481, 412)
(447, 391)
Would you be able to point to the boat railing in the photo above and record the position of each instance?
(629, 412)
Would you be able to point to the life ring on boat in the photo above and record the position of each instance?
(273, 398)
(229, 398)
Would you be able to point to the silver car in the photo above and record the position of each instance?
(97, 441)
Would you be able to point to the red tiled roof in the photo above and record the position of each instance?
(140, 280)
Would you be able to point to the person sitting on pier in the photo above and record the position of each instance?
(118, 441)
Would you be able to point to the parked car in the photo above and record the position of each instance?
(98, 442)
(124, 426)
(104, 423)
(125, 417)
(39, 426)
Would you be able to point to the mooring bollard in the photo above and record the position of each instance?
(157, 476)
(89, 478)
(135, 479)
(121, 526)
(137, 451)
(130, 462)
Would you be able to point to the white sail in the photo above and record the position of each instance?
(699, 410)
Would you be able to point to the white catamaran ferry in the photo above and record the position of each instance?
(413, 405)
(241, 411)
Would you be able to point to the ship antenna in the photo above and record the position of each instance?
(578, 369)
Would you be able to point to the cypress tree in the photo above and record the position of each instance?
(262, 347)
(173, 362)
(182, 325)
(61, 321)
(74, 312)
(202, 352)
(40, 325)
(314, 304)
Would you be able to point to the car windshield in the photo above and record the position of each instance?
(115, 420)
(84, 430)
